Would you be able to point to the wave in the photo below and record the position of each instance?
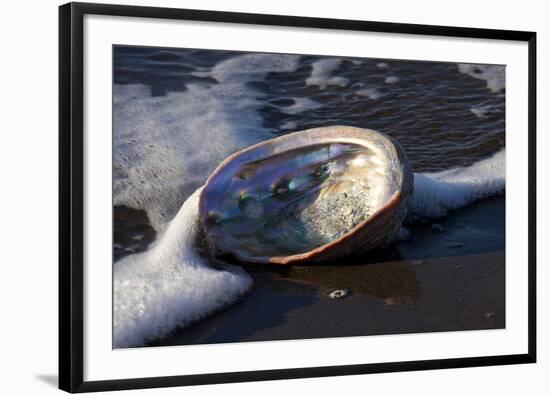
(435, 194)
(494, 75)
(170, 285)
(166, 146)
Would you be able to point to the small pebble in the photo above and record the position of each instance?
(490, 316)
(389, 301)
(437, 228)
(339, 294)
(417, 262)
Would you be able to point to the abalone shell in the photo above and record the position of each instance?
(314, 195)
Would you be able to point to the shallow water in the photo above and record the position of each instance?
(442, 116)
(177, 113)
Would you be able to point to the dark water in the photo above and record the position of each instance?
(428, 109)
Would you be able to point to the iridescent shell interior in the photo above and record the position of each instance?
(274, 200)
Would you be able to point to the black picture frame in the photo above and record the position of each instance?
(71, 204)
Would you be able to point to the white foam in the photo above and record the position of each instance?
(437, 193)
(494, 75)
(165, 147)
(301, 104)
(170, 285)
(321, 74)
(391, 80)
(382, 65)
(253, 67)
(289, 125)
(371, 93)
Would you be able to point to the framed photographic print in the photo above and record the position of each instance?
(256, 197)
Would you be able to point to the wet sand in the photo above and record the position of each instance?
(441, 294)
(132, 232)
(435, 281)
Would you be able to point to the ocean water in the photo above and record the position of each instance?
(179, 112)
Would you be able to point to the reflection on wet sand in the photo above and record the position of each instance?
(388, 282)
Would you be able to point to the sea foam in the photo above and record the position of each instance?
(371, 93)
(494, 75)
(301, 104)
(437, 193)
(165, 147)
(321, 74)
(170, 285)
